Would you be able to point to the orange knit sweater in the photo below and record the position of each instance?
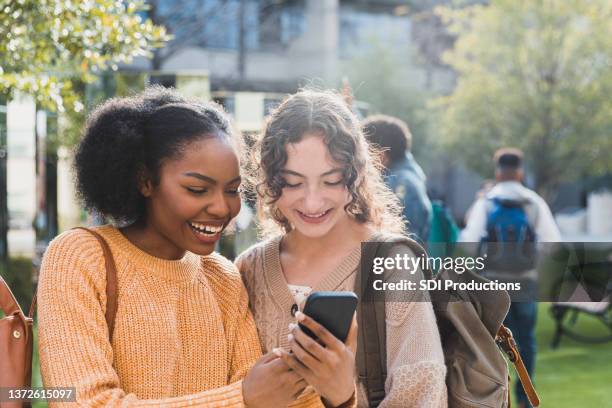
(184, 335)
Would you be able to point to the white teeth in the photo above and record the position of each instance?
(207, 229)
(315, 215)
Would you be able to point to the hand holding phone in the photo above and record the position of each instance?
(327, 364)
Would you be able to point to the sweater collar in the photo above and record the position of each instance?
(180, 270)
(275, 278)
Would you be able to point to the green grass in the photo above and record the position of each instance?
(574, 375)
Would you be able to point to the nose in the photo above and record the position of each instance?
(219, 207)
(313, 201)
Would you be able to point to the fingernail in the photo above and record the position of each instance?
(277, 351)
(290, 337)
(292, 326)
(299, 316)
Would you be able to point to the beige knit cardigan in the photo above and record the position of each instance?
(415, 362)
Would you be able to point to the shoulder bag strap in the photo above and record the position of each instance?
(111, 282)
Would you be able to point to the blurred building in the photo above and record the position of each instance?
(276, 46)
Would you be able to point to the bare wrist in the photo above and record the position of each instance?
(346, 404)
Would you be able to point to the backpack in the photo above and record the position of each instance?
(17, 331)
(471, 331)
(510, 243)
(444, 231)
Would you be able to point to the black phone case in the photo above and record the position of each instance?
(332, 310)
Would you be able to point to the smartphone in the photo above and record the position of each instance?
(332, 310)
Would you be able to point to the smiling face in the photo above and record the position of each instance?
(314, 195)
(196, 197)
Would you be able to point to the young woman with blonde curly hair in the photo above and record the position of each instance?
(320, 195)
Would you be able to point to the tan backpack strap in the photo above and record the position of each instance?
(111, 282)
(32, 307)
(506, 342)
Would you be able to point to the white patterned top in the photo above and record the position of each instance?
(300, 293)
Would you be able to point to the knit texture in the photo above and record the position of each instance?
(184, 335)
(415, 361)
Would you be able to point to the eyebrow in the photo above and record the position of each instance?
(327, 173)
(210, 179)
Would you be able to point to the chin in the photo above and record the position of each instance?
(314, 231)
(308, 232)
(203, 250)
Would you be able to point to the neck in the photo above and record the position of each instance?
(148, 239)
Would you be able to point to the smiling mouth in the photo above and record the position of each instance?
(206, 229)
(316, 216)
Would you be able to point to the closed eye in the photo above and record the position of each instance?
(197, 191)
(289, 185)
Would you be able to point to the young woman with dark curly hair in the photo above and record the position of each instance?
(320, 196)
(166, 171)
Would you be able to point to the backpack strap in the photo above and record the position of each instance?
(505, 341)
(372, 338)
(111, 282)
(372, 334)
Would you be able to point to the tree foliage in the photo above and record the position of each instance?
(391, 83)
(49, 47)
(536, 75)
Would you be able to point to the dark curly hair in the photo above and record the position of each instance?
(324, 112)
(126, 140)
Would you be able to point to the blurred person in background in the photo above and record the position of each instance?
(402, 173)
(511, 213)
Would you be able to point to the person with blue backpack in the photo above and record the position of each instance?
(508, 223)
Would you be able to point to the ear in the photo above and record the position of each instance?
(145, 184)
(146, 188)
